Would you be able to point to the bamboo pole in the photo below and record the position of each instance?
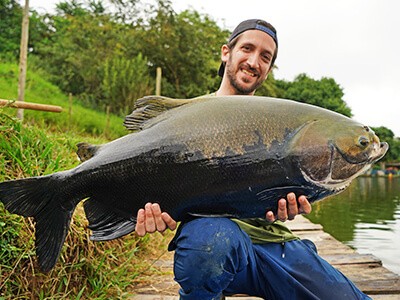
(158, 81)
(23, 58)
(30, 105)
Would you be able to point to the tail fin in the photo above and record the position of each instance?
(38, 197)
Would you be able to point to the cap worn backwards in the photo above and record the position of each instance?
(252, 24)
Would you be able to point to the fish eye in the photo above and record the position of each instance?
(363, 141)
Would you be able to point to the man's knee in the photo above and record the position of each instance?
(210, 234)
(210, 251)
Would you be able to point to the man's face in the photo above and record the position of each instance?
(248, 62)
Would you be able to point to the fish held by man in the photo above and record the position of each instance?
(231, 156)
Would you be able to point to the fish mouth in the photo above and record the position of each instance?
(383, 148)
(377, 152)
(356, 166)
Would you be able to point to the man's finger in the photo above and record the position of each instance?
(159, 222)
(305, 206)
(292, 207)
(149, 222)
(270, 217)
(171, 223)
(282, 210)
(140, 227)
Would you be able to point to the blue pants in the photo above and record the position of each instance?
(213, 256)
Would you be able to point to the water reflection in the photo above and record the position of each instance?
(366, 216)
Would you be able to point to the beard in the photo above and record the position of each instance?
(236, 84)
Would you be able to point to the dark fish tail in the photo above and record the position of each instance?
(39, 197)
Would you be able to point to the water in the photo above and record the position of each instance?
(366, 217)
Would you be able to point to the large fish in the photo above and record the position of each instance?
(211, 156)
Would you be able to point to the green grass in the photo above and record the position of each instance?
(85, 269)
(45, 143)
(75, 117)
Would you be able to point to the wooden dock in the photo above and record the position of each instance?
(365, 270)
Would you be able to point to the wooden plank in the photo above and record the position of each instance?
(352, 258)
(301, 223)
(332, 249)
(376, 287)
(372, 279)
(305, 227)
(366, 272)
(385, 297)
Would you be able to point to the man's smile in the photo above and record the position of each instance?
(249, 73)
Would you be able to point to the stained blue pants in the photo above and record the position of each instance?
(213, 256)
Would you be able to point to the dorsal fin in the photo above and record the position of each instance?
(86, 151)
(149, 107)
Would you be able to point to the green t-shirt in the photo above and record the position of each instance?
(261, 231)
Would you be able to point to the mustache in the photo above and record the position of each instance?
(247, 67)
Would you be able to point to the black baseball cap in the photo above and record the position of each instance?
(251, 24)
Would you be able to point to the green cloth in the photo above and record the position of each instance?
(261, 231)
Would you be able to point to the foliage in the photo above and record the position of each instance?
(324, 93)
(125, 81)
(387, 135)
(269, 87)
(82, 37)
(10, 27)
(77, 49)
(187, 48)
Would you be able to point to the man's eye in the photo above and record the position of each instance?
(266, 58)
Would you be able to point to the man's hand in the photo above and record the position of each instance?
(288, 209)
(151, 219)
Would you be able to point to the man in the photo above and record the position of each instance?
(259, 257)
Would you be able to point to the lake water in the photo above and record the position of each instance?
(366, 217)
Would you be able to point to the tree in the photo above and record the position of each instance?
(10, 27)
(187, 48)
(73, 45)
(125, 80)
(83, 37)
(324, 93)
(268, 88)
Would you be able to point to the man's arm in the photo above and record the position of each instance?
(152, 219)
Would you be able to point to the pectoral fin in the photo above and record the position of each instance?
(106, 223)
(86, 151)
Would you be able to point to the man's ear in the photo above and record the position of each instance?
(225, 53)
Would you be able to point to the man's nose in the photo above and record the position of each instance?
(252, 60)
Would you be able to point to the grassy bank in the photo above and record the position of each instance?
(75, 117)
(43, 144)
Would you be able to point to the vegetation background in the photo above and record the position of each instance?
(86, 57)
